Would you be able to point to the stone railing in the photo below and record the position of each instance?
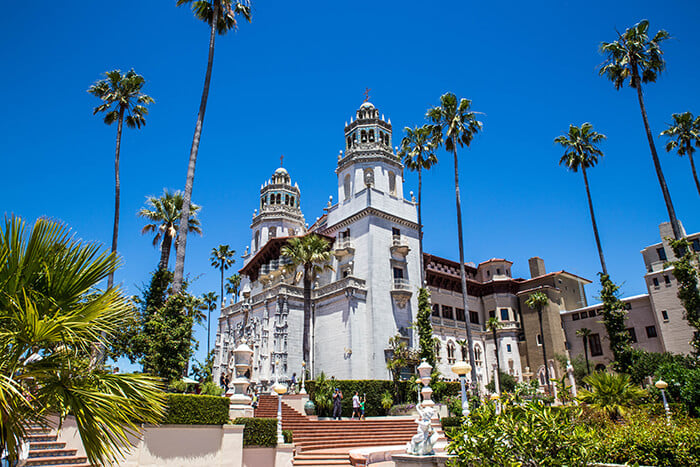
(347, 282)
(401, 284)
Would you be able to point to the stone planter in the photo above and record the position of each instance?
(309, 408)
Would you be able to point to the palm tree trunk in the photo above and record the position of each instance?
(117, 191)
(165, 251)
(498, 361)
(692, 166)
(595, 225)
(307, 312)
(657, 164)
(185, 214)
(208, 331)
(544, 352)
(585, 352)
(462, 274)
(222, 285)
(420, 226)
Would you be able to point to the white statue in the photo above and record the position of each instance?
(422, 443)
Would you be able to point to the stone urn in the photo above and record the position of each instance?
(310, 408)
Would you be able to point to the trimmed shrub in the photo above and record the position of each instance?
(192, 409)
(258, 431)
(450, 422)
(288, 436)
(402, 409)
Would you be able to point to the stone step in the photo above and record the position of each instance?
(42, 438)
(40, 446)
(43, 453)
(53, 461)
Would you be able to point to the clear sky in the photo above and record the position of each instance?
(286, 84)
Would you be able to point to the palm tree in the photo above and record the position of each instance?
(583, 333)
(610, 393)
(233, 285)
(209, 300)
(494, 325)
(221, 259)
(636, 57)
(537, 301)
(220, 15)
(417, 152)
(454, 124)
(582, 152)
(52, 313)
(312, 254)
(164, 213)
(686, 131)
(122, 99)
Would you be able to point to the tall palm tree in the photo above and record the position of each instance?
(636, 57)
(164, 212)
(233, 285)
(311, 253)
(122, 100)
(222, 259)
(581, 151)
(686, 131)
(417, 151)
(209, 300)
(52, 313)
(454, 124)
(537, 301)
(493, 325)
(583, 333)
(220, 15)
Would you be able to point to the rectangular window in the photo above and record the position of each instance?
(498, 271)
(651, 332)
(492, 314)
(584, 314)
(398, 273)
(633, 334)
(395, 232)
(539, 339)
(436, 310)
(447, 312)
(696, 244)
(504, 314)
(460, 314)
(474, 317)
(575, 317)
(664, 314)
(594, 345)
(662, 254)
(655, 281)
(508, 347)
(667, 280)
(591, 313)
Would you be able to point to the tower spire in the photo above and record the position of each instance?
(366, 93)
(282, 160)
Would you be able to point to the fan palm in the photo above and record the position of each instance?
(537, 301)
(209, 300)
(220, 15)
(417, 151)
(233, 285)
(312, 254)
(222, 258)
(637, 58)
(583, 333)
(581, 151)
(610, 393)
(493, 325)
(122, 100)
(164, 213)
(455, 124)
(52, 310)
(682, 135)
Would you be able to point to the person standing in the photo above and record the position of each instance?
(356, 405)
(362, 406)
(337, 408)
(293, 383)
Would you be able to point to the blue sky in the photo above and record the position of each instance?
(286, 83)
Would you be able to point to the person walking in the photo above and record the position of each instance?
(362, 406)
(356, 405)
(337, 408)
(293, 383)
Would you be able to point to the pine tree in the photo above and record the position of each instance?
(614, 316)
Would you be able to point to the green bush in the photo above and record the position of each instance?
(372, 389)
(450, 422)
(402, 409)
(258, 431)
(646, 364)
(651, 442)
(192, 409)
(507, 381)
(212, 389)
(442, 389)
(683, 385)
(288, 436)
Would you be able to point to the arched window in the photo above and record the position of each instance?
(346, 186)
(279, 198)
(273, 232)
(450, 352)
(392, 183)
(371, 136)
(286, 200)
(437, 350)
(465, 353)
(349, 142)
(292, 232)
(477, 355)
(256, 243)
(363, 136)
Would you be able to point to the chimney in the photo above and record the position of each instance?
(536, 266)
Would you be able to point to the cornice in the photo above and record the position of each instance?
(370, 212)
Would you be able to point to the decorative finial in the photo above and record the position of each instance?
(281, 160)
(366, 93)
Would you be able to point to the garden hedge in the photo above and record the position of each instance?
(192, 409)
(261, 431)
(374, 388)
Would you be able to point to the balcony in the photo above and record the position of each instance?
(401, 291)
(343, 248)
(399, 245)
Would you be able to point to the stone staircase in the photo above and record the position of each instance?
(46, 450)
(328, 442)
